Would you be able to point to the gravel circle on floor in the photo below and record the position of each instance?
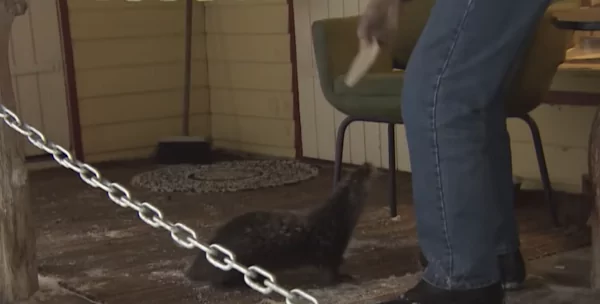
(227, 176)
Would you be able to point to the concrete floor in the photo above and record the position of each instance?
(559, 279)
(92, 251)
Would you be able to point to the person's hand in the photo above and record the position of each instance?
(379, 20)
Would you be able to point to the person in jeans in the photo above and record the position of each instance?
(459, 145)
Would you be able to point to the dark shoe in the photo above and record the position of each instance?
(424, 293)
(512, 270)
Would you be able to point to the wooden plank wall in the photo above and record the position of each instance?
(129, 73)
(36, 61)
(250, 76)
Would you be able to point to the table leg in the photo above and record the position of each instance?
(594, 221)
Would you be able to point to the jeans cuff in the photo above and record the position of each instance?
(446, 283)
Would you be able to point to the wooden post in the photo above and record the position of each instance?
(589, 191)
(594, 221)
(18, 268)
(595, 275)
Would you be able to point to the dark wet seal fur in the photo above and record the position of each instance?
(282, 241)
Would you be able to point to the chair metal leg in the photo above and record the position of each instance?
(339, 148)
(539, 151)
(392, 168)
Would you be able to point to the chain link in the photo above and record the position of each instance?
(255, 277)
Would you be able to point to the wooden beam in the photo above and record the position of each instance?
(595, 275)
(594, 221)
(18, 268)
(589, 191)
(572, 98)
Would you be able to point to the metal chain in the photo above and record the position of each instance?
(180, 233)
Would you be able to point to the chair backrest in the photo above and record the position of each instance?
(412, 17)
(336, 45)
(335, 42)
(540, 61)
(543, 53)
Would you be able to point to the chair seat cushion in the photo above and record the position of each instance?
(375, 97)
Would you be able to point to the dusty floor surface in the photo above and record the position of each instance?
(90, 250)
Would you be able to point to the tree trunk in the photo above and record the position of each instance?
(18, 268)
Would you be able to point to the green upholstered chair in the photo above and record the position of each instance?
(376, 97)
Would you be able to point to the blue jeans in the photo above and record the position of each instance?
(457, 138)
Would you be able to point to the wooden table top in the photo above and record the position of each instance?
(580, 19)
